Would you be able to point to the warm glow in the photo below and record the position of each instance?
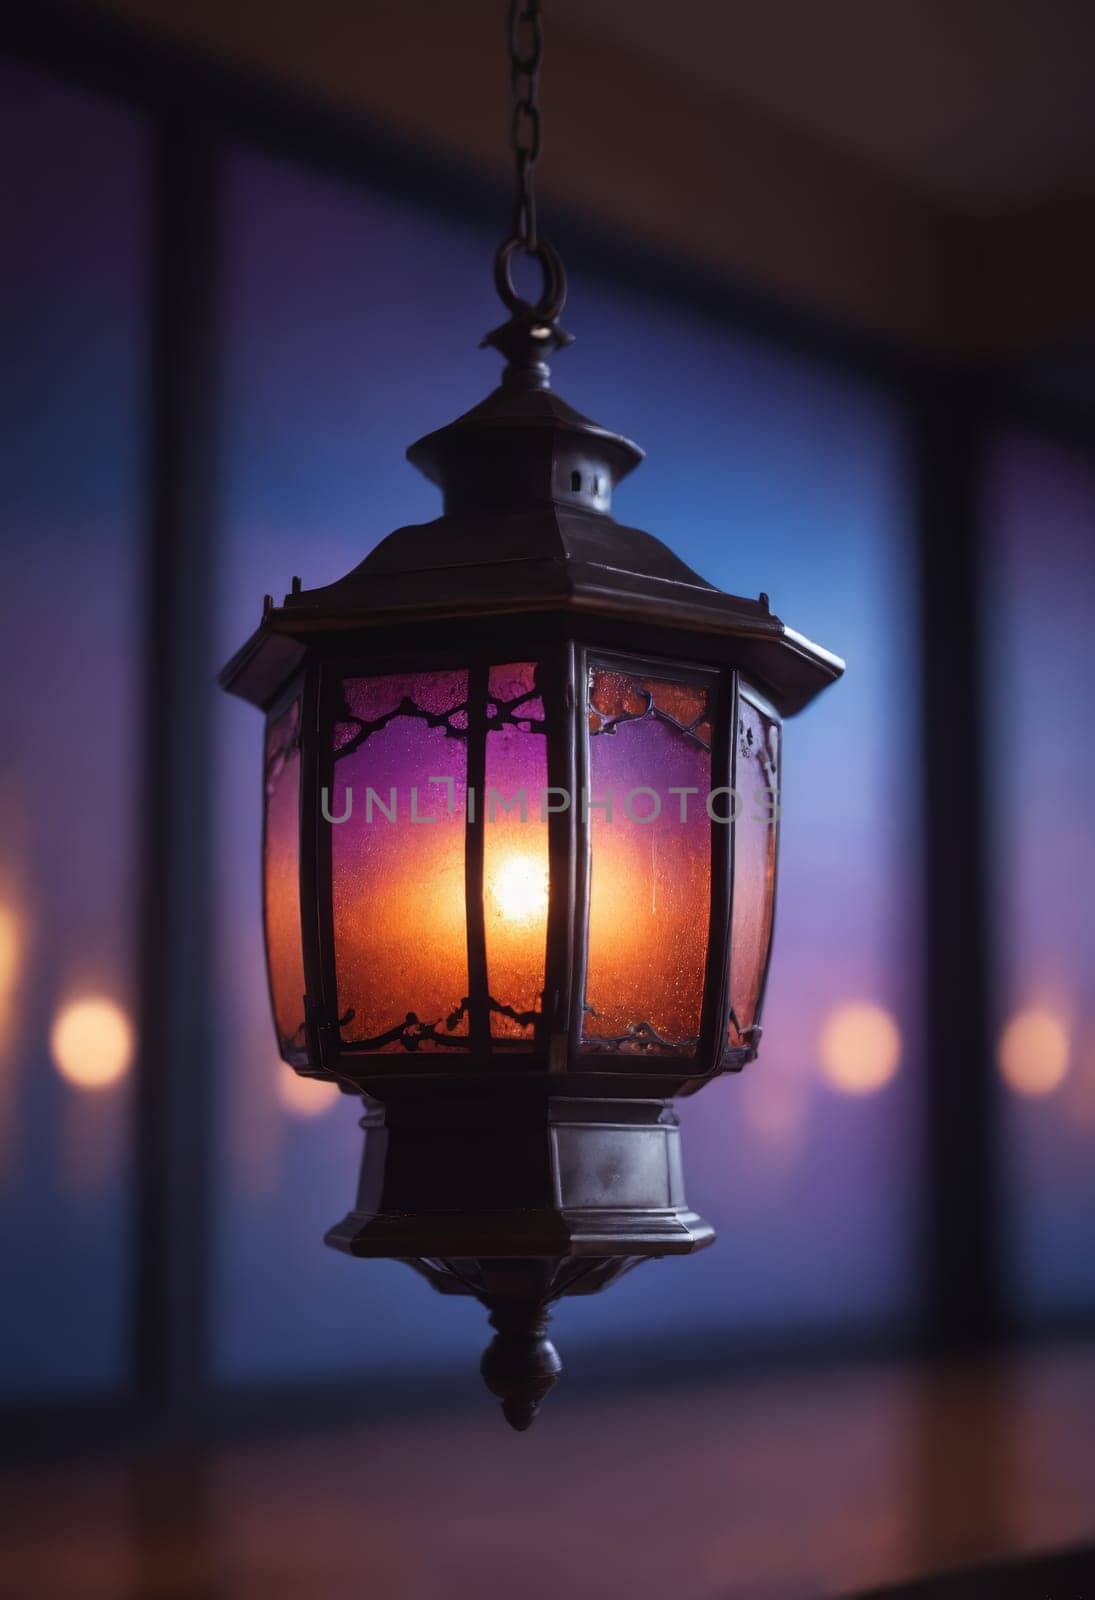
(9, 962)
(92, 1043)
(519, 885)
(649, 882)
(9, 947)
(304, 1097)
(399, 890)
(860, 1048)
(1033, 1052)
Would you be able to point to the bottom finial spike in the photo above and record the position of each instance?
(520, 1365)
(520, 1414)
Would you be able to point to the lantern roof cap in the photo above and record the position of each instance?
(527, 484)
(525, 419)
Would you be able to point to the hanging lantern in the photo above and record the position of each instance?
(522, 774)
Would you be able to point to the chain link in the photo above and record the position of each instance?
(538, 318)
(526, 48)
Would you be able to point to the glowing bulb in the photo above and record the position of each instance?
(304, 1097)
(519, 885)
(1033, 1052)
(92, 1043)
(860, 1048)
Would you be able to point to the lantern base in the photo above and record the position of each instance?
(520, 1199)
(520, 1175)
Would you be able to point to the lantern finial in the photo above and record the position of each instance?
(520, 1365)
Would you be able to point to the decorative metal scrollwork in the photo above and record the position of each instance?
(606, 724)
(639, 1038)
(499, 713)
(413, 1032)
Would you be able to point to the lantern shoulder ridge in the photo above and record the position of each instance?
(527, 484)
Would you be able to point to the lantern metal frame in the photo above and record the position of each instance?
(520, 1175)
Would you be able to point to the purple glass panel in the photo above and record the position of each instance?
(397, 861)
(650, 861)
(281, 882)
(515, 852)
(756, 780)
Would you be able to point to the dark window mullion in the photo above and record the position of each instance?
(962, 1244)
(177, 1044)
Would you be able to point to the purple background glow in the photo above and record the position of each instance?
(73, 197)
(1040, 659)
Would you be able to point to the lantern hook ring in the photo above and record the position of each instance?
(553, 297)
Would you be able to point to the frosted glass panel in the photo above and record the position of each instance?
(515, 852)
(397, 862)
(650, 861)
(281, 880)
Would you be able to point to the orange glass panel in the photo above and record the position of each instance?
(650, 862)
(515, 853)
(281, 881)
(397, 862)
(755, 834)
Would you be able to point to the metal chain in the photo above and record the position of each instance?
(526, 48)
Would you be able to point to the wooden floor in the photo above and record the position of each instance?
(788, 1488)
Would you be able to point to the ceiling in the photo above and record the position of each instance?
(921, 169)
(983, 104)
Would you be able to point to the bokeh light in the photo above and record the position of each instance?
(9, 947)
(304, 1097)
(9, 964)
(92, 1042)
(860, 1048)
(1033, 1052)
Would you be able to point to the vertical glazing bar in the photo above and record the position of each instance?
(777, 825)
(732, 846)
(580, 727)
(321, 1026)
(324, 977)
(474, 841)
(559, 693)
(716, 987)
